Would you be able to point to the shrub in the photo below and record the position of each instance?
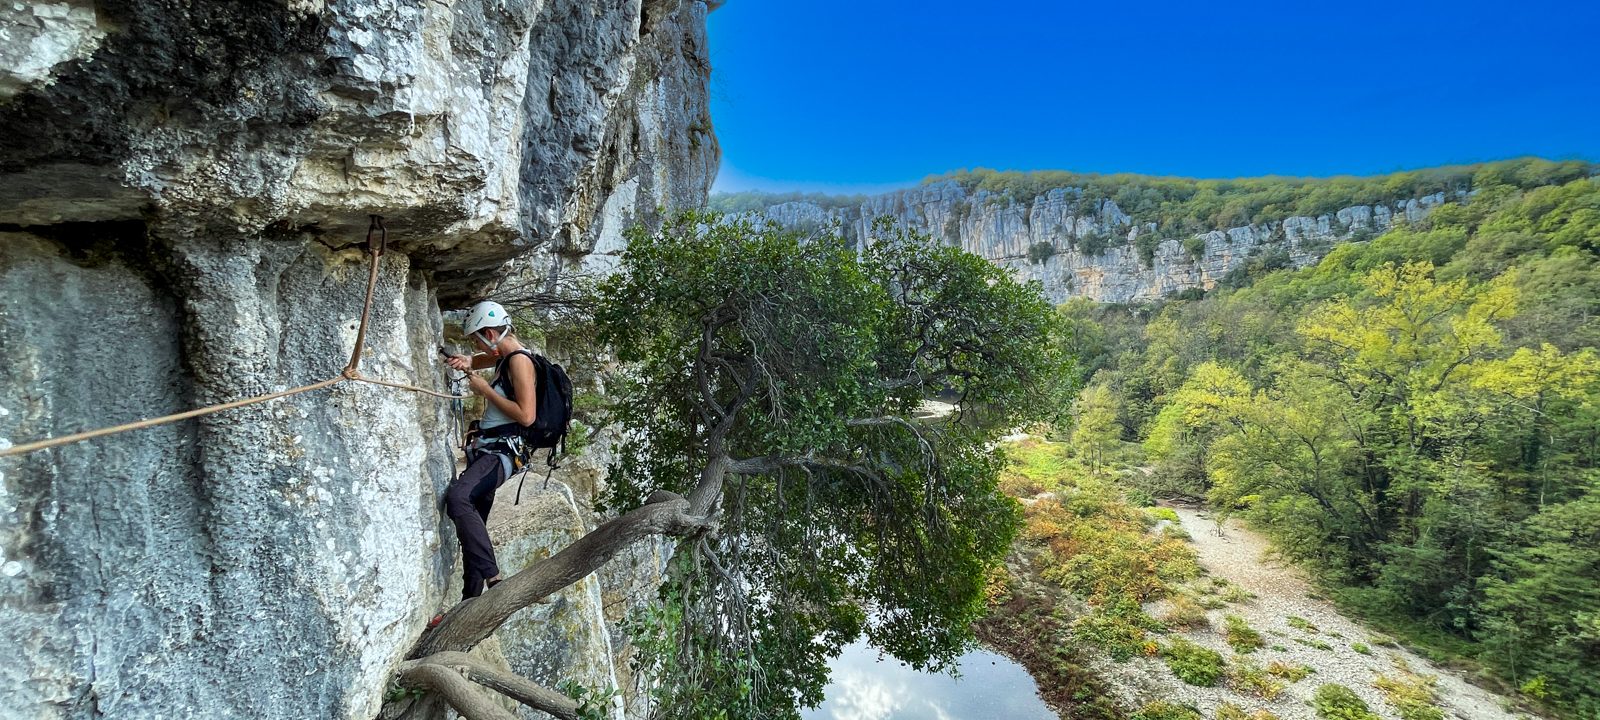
(1230, 711)
(1145, 242)
(1318, 644)
(1041, 252)
(1382, 640)
(1120, 637)
(1361, 648)
(1241, 637)
(1337, 702)
(1412, 695)
(1250, 679)
(1192, 663)
(1235, 594)
(1163, 513)
(1292, 673)
(1185, 614)
(1139, 497)
(1300, 623)
(1094, 242)
(1162, 710)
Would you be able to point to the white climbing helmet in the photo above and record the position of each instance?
(487, 314)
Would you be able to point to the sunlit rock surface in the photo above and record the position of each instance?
(184, 192)
(1004, 230)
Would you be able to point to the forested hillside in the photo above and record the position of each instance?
(1137, 238)
(1180, 206)
(1416, 417)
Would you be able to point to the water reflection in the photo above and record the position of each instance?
(990, 687)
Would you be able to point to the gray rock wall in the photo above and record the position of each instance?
(1003, 230)
(266, 562)
(183, 192)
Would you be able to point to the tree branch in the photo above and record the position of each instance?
(508, 684)
(469, 623)
(454, 687)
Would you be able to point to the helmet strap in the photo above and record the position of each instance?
(493, 346)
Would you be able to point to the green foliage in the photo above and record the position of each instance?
(1028, 627)
(1041, 252)
(592, 704)
(1163, 710)
(797, 357)
(1099, 548)
(1033, 466)
(1413, 696)
(1240, 636)
(1121, 631)
(1145, 243)
(1230, 711)
(1139, 497)
(1095, 432)
(1337, 702)
(1249, 678)
(755, 200)
(1292, 673)
(1235, 594)
(1193, 663)
(1163, 513)
(667, 648)
(1185, 613)
(1187, 204)
(1361, 648)
(1094, 242)
(1300, 623)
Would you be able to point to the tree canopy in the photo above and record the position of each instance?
(1417, 417)
(774, 379)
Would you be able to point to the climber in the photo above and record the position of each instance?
(491, 449)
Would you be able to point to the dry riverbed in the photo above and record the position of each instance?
(1297, 628)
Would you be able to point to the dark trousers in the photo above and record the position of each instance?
(468, 502)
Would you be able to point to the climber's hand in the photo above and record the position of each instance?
(459, 362)
(478, 384)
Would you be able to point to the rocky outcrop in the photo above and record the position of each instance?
(184, 188)
(1083, 247)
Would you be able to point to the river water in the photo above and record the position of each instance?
(991, 687)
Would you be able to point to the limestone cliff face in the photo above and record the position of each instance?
(183, 190)
(1004, 230)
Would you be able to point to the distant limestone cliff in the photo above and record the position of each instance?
(1128, 238)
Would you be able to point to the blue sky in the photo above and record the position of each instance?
(865, 95)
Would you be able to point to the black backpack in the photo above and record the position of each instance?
(553, 393)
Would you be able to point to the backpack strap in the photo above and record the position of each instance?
(509, 389)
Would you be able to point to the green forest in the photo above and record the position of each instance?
(1416, 418)
(1180, 206)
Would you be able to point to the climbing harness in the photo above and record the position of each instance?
(350, 372)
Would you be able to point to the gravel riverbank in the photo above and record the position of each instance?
(1281, 592)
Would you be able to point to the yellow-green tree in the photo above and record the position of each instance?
(1095, 431)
